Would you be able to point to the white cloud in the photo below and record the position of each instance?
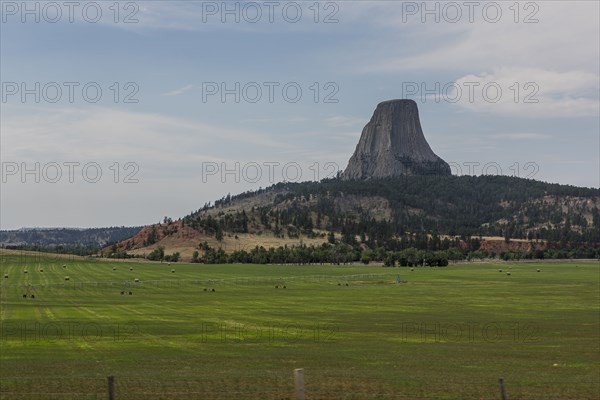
(521, 136)
(242, 16)
(343, 121)
(100, 133)
(179, 91)
(560, 53)
(566, 34)
(532, 92)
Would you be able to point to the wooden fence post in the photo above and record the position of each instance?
(111, 388)
(299, 383)
(502, 388)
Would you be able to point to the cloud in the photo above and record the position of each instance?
(529, 92)
(559, 54)
(343, 121)
(241, 16)
(179, 91)
(521, 136)
(293, 119)
(102, 133)
(565, 31)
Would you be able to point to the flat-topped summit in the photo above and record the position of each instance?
(392, 144)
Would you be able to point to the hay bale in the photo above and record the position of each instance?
(508, 273)
(172, 271)
(347, 284)
(499, 270)
(131, 268)
(412, 269)
(213, 289)
(538, 270)
(25, 271)
(114, 268)
(5, 275)
(136, 280)
(276, 286)
(66, 278)
(205, 289)
(284, 287)
(64, 265)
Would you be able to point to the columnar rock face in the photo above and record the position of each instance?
(393, 144)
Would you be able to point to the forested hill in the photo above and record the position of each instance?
(381, 209)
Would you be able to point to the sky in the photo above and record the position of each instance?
(122, 113)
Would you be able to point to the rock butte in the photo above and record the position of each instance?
(392, 144)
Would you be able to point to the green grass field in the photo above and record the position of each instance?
(444, 333)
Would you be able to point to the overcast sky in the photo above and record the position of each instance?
(199, 99)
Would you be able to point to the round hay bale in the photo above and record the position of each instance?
(172, 271)
(66, 278)
(347, 284)
(412, 269)
(64, 265)
(25, 271)
(136, 280)
(284, 287)
(42, 270)
(276, 286)
(205, 289)
(499, 270)
(538, 270)
(5, 275)
(131, 268)
(114, 268)
(508, 273)
(213, 290)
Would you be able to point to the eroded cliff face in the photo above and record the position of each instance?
(393, 144)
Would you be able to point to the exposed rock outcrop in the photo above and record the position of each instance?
(393, 144)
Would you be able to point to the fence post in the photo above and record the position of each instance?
(111, 388)
(299, 383)
(502, 388)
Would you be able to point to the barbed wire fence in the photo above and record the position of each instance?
(294, 386)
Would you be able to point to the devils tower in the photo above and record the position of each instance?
(393, 144)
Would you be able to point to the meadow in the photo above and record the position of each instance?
(427, 333)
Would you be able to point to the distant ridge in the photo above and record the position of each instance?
(67, 237)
